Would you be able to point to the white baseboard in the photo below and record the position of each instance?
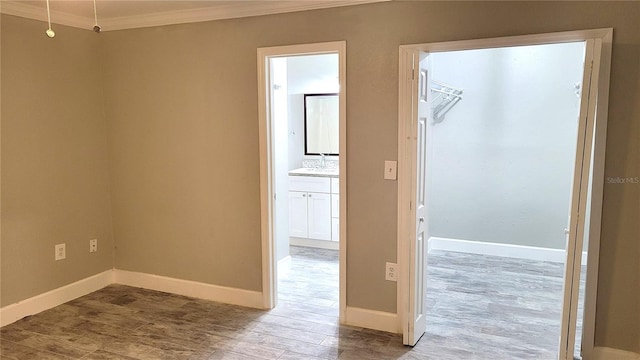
(604, 353)
(14, 312)
(322, 244)
(190, 288)
(497, 249)
(372, 319)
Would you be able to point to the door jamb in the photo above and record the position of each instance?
(406, 159)
(269, 264)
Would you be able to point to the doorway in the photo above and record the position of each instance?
(302, 108)
(426, 103)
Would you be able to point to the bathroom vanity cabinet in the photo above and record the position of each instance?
(314, 208)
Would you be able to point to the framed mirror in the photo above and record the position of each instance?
(321, 124)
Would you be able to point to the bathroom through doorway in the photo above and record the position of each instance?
(303, 153)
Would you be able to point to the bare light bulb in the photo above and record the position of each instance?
(50, 33)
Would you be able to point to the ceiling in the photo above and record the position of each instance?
(126, 14)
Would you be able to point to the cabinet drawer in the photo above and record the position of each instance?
(335, 185)
(309, 183)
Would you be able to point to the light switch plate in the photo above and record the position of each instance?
(390, 170)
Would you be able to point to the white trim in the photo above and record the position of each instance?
(235, 10)
(321, 244)
(605, 353)
(405, 181)
(61, 295)
(269, 269)
(55, 297)
(503, 250)
(597, 189)
(372, 319)
(190, 288)
(342, 217)
(534, 39)
(582, 173)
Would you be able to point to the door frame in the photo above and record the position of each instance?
(269, 263)
(406, 159)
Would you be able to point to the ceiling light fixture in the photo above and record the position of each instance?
(50, 33)
(96, 27)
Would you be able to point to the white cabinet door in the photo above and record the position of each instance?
(335, 185)
(319, 215)
(335, 229)
(298, 223)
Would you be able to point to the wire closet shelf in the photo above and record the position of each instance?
(444, 98)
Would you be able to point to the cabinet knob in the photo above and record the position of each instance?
(304, 195)
(309, 195)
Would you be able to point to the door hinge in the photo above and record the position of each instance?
(410, 205)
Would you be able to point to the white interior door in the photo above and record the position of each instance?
(579, 200)
(418, 261)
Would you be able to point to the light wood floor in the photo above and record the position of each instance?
(479, 308)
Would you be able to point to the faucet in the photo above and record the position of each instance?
(322, 161)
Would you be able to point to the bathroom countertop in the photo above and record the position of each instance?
(326, 172)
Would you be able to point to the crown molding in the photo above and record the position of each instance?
(237, 10)
(37, 13)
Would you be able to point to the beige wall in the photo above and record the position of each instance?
(55, 184)
(181, 104)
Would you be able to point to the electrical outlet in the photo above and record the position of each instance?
(61, 252)
(93, 245)
(391, 273)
